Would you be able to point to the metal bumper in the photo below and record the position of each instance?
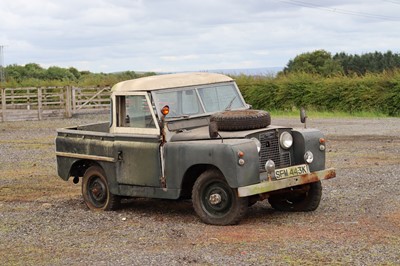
(272, 185)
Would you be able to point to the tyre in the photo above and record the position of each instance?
(307, 199)
(241, 120)
(215, 202)
(96, 192)
(253, 200)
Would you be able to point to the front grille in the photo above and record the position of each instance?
(270, 150)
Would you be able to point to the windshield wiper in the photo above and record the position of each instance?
(228, 108)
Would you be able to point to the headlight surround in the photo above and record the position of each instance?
(258, 143)
(286, 140)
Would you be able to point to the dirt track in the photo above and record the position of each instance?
(43, 220)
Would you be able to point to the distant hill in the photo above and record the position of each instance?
(261, 71)
(264, 71)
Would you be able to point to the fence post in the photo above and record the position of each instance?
(68, 109)
(73, 99)
(3, 104)
(39, 101)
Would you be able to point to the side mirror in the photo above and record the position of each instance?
(213, 130)
(303, 116)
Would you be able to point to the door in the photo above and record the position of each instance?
(137, 140)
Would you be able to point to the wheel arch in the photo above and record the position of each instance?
(191, 175)
(79, 167)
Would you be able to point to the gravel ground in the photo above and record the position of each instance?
(43, 220)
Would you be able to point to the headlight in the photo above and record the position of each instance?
(258, 143)
(270, 166)
(286, 140)
(309, 157)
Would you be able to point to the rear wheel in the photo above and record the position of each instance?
(303, 198)
(95, 191)
(215, 202)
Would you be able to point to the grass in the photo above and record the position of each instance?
(326, 114)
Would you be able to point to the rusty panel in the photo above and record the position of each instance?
(268, 186)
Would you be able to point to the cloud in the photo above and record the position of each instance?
(177, 35)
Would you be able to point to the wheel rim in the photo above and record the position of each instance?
(217, 199)
(97, 191)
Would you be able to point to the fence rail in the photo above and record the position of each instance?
(46, 102)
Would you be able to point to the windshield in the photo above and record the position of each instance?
(220, 98)
(188, 102)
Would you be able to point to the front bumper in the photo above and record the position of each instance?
(268, 186)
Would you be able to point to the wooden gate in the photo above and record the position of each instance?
(90, 99)
(18, 104)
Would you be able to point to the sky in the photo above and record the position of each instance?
(176, 35)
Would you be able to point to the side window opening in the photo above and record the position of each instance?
(134, 112)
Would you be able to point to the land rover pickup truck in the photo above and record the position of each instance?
(192, 136)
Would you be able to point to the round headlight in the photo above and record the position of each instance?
(258, 143)
(286, 140)
(308, 157)
(270, 166)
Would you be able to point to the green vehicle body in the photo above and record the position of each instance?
(164, 155)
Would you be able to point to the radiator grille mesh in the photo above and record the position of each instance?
(270, 150)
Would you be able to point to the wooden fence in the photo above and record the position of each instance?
(42, 103)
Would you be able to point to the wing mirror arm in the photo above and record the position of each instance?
(213, 131)
(164, 113)
(303, 117)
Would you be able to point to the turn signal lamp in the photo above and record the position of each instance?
(165, 110)
(322, 144)
(240, 155)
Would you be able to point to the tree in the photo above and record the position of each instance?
(376, 62)
(75, 72)
(317, 62)
(58, 73)
(14, 72)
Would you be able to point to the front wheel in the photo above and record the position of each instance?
(300, 199)
(215, 202)
(95, 191)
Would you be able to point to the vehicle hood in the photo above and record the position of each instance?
(202, 133)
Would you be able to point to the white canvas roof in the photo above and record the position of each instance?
(169, 81)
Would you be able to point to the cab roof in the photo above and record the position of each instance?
(169, 81)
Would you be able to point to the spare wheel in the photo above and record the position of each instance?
(241, 120)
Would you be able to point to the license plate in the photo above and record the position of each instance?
(292, 171)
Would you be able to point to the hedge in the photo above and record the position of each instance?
(370, 93)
